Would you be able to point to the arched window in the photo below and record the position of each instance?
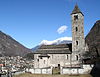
(76, 57)
(76, 42)
(67, 57)
(76, 29)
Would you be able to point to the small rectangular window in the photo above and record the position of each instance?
(76, 57)
(40, 57)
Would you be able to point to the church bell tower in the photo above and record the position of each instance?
(78, 42)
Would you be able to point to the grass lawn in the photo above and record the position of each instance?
(38, 75)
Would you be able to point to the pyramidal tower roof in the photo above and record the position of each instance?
(76, 10)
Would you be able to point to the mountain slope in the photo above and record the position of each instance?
(62, 40)
(93, 38)
(10, 47)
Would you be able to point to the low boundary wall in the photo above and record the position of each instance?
(40, 70)
(85, 69)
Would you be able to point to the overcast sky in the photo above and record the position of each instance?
(31, 21)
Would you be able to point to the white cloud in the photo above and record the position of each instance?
(62, 29)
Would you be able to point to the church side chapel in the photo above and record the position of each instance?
(67, 56)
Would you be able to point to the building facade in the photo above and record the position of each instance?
(64, 55)
(52, 56)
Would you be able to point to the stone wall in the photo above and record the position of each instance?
(53, 61)
(78, 41)
(86, 69)
(40, 70)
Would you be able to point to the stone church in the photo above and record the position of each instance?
(64, 55)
